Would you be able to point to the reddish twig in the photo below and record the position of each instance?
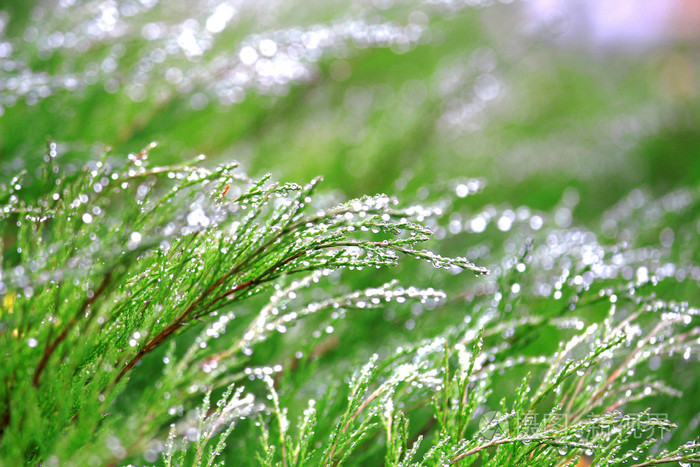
(51, 346)
(175, 325)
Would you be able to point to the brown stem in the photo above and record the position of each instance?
(594, 399)
(180, 320)
(482, 447)
(362, 406)
(175, 325)
(51, 346)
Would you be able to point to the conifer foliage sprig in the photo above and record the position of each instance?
(104, 266)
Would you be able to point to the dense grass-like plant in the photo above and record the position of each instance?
(151, 252)
(161, 255)
(155, 311)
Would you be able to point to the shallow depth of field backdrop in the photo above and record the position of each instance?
(559, 139)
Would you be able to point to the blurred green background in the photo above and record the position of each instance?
(514, 116)
(375, 96)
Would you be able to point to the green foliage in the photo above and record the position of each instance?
(197, 242)
(157, 253)
(160, 308)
